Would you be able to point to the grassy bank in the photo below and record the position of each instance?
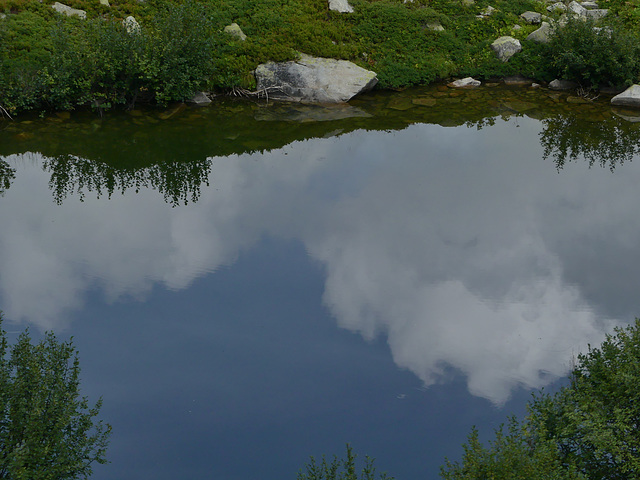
(50, 61)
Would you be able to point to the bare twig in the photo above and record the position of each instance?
(4, 112)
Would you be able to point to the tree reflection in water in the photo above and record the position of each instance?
(178, 182)
(607, 143)
(7, 175)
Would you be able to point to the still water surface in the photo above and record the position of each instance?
(249, 285)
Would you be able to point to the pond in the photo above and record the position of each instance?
(249, 284)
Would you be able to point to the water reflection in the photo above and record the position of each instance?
(178, 182)
(459, 246)
(605, 142)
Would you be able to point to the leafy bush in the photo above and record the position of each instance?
(47, 430)
(588, 430)
(341, 469)
(595, 56)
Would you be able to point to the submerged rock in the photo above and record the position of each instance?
(629, 98)
(506, 47)
(69, 11)
(558, 84)
(314, 80)
(310, 113)
(200, 99)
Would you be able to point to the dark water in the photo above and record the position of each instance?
(252, 284)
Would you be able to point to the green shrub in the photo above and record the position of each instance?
(341, 469)
(595, 56)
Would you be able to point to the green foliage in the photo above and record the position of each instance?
(47, 430)
(517, 454)
(596, 420)
(589, 429)
(595, 56)
(341, 469)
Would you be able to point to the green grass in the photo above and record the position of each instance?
(182, 47)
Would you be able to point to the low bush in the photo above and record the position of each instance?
(595, 56)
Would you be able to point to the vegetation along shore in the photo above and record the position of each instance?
(107, 53)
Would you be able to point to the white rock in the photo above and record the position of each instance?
(533, 18)
(105, 3)
(577, 9)
(235, 30)
(629, 98)
(557, 7)
(506, 47)
(597, 14)
(542, 34)
(131, 25)
(589, 5)
(465, 83)
(435, 26)
(68, 11)
(314, 80)
(341, 6)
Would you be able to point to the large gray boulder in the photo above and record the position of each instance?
(629, 98)
(69, 11)
(542, 34)
(314, 80)
(506, 47)
(341, 6)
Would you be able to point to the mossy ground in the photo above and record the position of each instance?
(49, 61)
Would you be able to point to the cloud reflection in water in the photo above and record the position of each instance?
(446, 241)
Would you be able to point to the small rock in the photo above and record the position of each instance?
(341, 6)
(2, 16)
(131, 25)
(562, 85)
(68, 11)
(468, 3)
(516, 27)
(542, 34)
(425, 102)
(597, 14)
(589, 5)
(534, 18)
(105, 3)
(235, 30)
(629, 98)
(557, 7)
(487, 12)
(577, 100)
(517, 80)
(199, 99)
(506, 47)
(577, 9)
(467, 82)
(435, 27)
